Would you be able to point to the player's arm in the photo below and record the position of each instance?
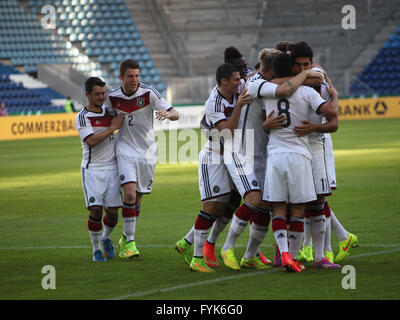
(330, 109)
(170, 114)
(162, 107)
(288, 85)
(95, 139)
(328, 127)
(232, 122)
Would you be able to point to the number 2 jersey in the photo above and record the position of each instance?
(298, 107)
(135, 139)
(102, 155)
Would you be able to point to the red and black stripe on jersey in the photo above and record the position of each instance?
(130, 105)
(101, 121)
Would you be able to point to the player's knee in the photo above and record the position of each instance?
(130, 197)
(96, 212)
(215, 208)
(112, 213)
(253, 198)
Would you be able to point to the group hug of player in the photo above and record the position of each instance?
(269, 145)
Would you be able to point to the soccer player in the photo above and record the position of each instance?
(233, 56)
(314, 128)
(222, 110)
(99, 167)
(251, 120)
(288, 178)
(302, 55)
(136, 149)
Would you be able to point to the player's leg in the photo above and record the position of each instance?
(112, 202)
(110, 220)
(280, 231)
(241, 170)
(306, 253)
(317, 228)
(218, 226)
(95, 231)
(301, 190)
(208, 213)
(296, 229)
(127, 241)
(215, 188)
(94, 186)
(258, 230)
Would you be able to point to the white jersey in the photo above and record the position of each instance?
(101, 155)
(217, 109)
(135, 139)
(296, 108)
(252, 116)
(317, 137)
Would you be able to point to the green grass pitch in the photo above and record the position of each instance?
(43, 221)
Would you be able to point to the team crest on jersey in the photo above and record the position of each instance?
(140, 102)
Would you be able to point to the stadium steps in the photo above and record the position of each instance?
(209, 27)
(334, 47)
(152, 39)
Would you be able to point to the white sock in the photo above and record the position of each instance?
(318, 230)
(129, 228)
(328, 246)
(190, 236)
(281, 240)
(218, 226)
(235, 230)
(200, 237)
(106, 232)
(337, 228)
(257, 235)
(108, 227)
(307, 233)
(95, 237)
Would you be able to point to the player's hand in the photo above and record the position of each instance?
(332, 91)
(244, 98)
(315, 74)
(162, 115)
(274, 122)
(117, 121)
(305, 129)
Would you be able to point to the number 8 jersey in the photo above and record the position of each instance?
(298, 107)
(135, 139)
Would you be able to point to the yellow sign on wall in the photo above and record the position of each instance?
(63, 124)
(32, 127)
(369, 108)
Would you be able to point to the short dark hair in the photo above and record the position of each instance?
(282, 46)
(283, 65)
(231, 54)
(225, 71)
(128, 64)
(93, 81)
(301, 49)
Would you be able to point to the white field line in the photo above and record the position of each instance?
(368, 245)
(243, 275)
